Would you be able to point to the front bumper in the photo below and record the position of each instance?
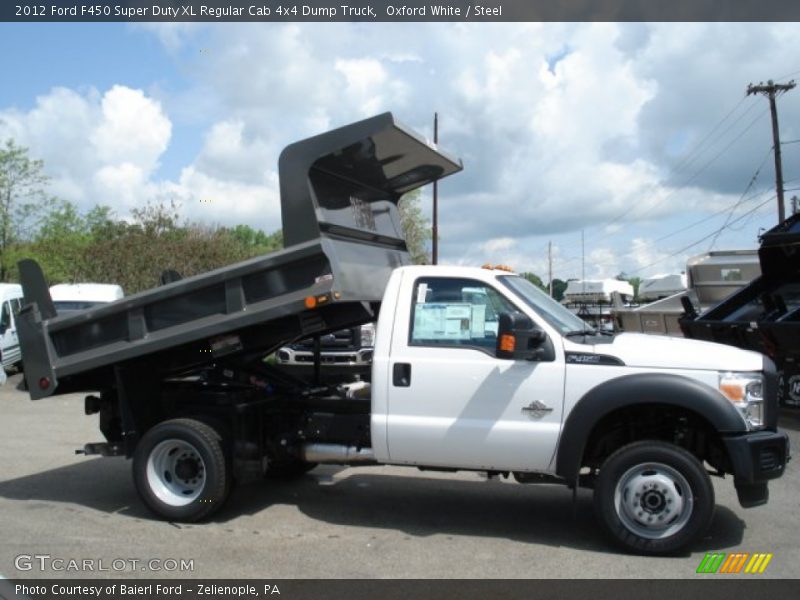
(756, 458)
(343, 358)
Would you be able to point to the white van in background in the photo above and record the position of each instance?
(69, 297)
(10, 303)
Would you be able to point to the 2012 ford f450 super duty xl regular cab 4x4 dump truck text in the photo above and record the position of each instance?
(473, 368)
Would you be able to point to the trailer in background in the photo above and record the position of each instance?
(764, 315)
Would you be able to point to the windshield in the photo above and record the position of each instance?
(547, 308)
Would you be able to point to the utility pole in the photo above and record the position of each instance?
(771, 90)
(435, 232)
(583, 263)
(550, 267)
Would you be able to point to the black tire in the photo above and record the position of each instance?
(180, 470)
(288, 469)
(675, 501)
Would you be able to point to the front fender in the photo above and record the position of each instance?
(637, 390)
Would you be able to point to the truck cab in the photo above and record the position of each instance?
(478, 369)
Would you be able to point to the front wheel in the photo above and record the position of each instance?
(180, 470)
(654, 497)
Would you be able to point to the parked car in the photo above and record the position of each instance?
(10, 303)
(69, 297)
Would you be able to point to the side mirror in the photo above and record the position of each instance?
(518, 338)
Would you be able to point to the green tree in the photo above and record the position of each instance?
(416, 227)
(22, 183)
(135, 255)
(559, 287)
(60, 239)
(255, 240)
(634, 281)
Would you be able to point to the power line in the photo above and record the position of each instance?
(787, 75)
(704, 219)
(691, 157)
(744, 193)
(696, 174)
(703, 239)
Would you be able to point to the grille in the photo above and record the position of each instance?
(769, 459)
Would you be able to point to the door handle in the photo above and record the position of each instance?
(401, 375)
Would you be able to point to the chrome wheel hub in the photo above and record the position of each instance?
(176, 473)
(653, 500)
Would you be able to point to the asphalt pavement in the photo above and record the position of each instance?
(66, 515)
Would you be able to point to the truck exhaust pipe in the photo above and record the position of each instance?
(337, 454)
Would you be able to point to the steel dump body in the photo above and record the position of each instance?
(341, 226)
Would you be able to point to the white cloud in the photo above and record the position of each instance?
(132, 129)
(497, 244)
(97, 148)
(105, 148)
(562, 127)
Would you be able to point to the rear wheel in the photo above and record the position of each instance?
(653, 497)
(180, 470)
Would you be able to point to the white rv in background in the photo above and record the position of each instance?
(10, 303)
(69, 297)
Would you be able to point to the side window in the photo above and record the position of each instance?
(16, 305)
(5, 317)
(456, 312)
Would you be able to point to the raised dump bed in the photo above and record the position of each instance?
(343, 237)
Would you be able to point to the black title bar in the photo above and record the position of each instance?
(402, 10)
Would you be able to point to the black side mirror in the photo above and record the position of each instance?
(518, 338)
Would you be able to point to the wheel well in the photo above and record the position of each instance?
(664, 422)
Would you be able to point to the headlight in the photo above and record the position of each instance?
(367, 335)
(746, 392)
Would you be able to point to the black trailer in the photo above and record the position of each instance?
(765, 315)
(178, 371)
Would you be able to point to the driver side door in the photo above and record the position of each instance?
(452, 402)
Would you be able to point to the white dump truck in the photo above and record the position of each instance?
(473, 368)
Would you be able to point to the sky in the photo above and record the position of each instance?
(638, 139)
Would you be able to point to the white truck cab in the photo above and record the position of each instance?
(10, 303)
(478, 369)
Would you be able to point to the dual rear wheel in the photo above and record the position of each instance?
(180, 470)
(182, 473)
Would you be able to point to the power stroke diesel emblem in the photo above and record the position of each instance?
(536, 409)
